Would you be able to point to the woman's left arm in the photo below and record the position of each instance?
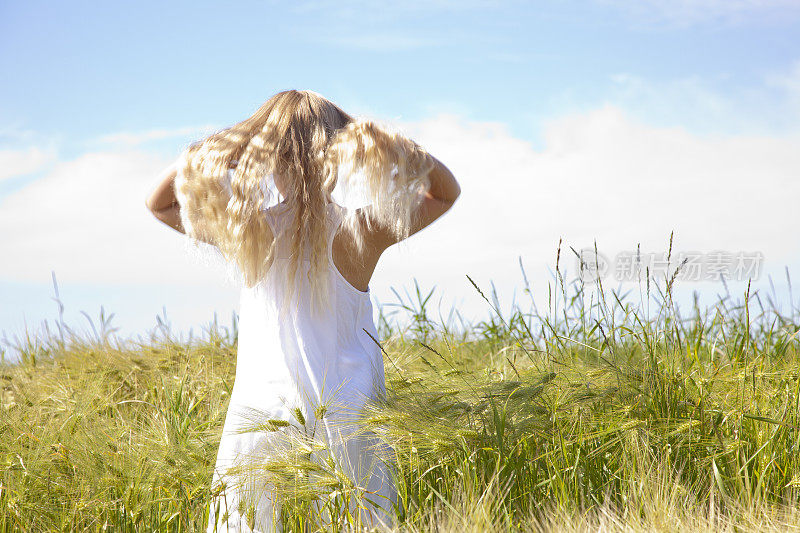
(162, 201)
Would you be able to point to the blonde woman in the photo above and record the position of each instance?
(261, 193)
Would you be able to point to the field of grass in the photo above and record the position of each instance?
(593, 412)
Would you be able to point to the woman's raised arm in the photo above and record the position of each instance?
(162, 201)
(444, 190)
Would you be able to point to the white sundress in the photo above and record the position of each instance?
(296, 361)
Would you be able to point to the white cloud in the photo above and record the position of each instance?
(788, 81)
(363, 25)
(360, 9)
(131, 139)
(601, 175)
(698, 103)
(384, 41)
(683, 13)
(24, 161)
(87, 220)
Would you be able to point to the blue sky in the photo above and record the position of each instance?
(98, 97)
(80, 70)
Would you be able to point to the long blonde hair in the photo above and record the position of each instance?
(310, 143)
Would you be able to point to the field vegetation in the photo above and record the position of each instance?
(595, 411)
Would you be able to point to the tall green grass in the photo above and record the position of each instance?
(596, 410)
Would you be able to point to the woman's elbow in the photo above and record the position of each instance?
(148, 203)
(170, 216)
(155, 204)
(457, 192)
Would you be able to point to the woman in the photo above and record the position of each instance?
(307, 354)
